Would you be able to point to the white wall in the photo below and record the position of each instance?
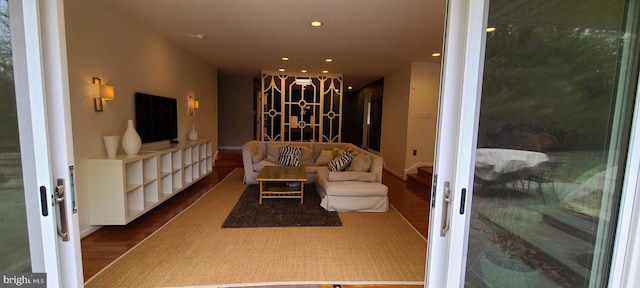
(410, 116)
(423, 113)
(106, 44)
(395, 108)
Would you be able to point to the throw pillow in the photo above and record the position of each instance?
(341, 162)
(336, 152)
(360, 163)
(290, 156)
(324, 158)
(273, 152)
(258, 156)
(307, 156)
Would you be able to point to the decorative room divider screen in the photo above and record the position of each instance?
(301, 107)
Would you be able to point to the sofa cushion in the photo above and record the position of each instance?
(307, 155)
(273, 151)
(341, 161)
(312, 169)
(258, 156)
(258, 166)
(290, 156)
(324, 158)
(356, 189)
(360, 163)
(352, 176)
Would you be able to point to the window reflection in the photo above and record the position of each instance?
(14, 240)
(551, 142)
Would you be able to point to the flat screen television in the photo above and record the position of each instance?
(156, 117)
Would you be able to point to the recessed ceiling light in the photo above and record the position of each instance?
(303, 71)
(350, 87)
(281, 69)
(316, 23)
(491, 29)
(437, 54)
(285, 58)
(325, 71)
(328, 60)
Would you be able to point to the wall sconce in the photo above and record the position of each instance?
(193, 105)
(100, 92)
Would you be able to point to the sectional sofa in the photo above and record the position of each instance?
(353, 185)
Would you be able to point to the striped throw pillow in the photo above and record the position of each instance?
(341, 161)
(290, 156)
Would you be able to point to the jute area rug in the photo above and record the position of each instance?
(194, 250)
(280, 212)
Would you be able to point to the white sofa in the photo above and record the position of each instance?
(342, 191)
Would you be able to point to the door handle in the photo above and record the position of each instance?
(59, 195)
(446, 200)
(44, 206)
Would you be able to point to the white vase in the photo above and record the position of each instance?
(131, 142)
(193, 134)
(111, 143)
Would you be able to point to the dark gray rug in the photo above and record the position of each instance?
(280, 212)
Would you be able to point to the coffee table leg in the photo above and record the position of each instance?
(261, 184)
(301, 192)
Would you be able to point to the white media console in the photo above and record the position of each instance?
(126, 186)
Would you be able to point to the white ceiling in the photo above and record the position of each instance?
(365, 38)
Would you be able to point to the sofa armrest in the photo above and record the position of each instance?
(248, 150)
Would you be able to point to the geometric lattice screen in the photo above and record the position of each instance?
(301, 107)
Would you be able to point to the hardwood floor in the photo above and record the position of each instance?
(412, 202)
(370, 286)
(109, 242)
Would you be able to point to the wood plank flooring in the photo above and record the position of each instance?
(412, 202)
(370, 286)
(109, 242)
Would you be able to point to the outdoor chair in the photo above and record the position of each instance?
(543, 173)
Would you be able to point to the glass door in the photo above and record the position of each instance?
(15, 254)
(541, 140)
(38, 220)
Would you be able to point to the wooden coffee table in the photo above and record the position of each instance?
(282, 182)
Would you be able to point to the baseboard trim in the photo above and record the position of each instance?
(215, 157)
(399, 175)
(229, 147)
(89, 230)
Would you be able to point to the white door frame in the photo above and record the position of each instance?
(60, 133)
(42, 90)
(456, 140)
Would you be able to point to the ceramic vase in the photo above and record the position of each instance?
(111, 143)
(193, 134)
(131, 142)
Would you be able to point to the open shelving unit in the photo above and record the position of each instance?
(126, 186)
